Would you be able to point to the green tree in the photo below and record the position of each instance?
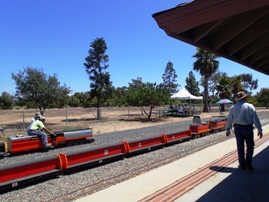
(61, 93)
(6, 101)
(132, 91)
(96, 65)
(169, 78)
(236, 85)
(84, 98)
(224, 88)
(263, 97)
(206, 64)
(248, 83)
(192, 85)
(148, 95)
(119, 96)
(228, 87)
(73, 101)
(34, 86)
(213, 81)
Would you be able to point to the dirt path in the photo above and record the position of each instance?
(118, 125)
(114, 119)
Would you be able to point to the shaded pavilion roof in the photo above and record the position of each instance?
(234, 29)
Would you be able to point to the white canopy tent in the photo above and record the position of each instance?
(183, 94)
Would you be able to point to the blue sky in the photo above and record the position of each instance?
(55, 35)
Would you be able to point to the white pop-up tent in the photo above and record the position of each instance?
(183, 94)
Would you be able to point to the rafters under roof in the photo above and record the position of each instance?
(235, 29)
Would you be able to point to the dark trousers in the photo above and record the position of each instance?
(244, 134)
(44, 136)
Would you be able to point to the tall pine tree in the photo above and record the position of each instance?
(169, 78)
(192, 85)
(96, 65)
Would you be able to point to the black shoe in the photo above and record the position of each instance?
(242, 167)
(249, 167)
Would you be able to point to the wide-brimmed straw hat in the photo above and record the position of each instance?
(241, 95)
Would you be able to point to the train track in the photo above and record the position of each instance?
(174, 190)
(130, 174)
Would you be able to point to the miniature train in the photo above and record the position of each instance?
(33, 170)
(22, 144)
(19, 144)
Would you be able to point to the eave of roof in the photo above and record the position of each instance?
(235, 29)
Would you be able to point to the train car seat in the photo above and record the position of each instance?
(197, 120)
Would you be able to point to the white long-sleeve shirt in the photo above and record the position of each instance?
(243, 113)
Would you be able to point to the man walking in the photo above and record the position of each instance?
(242, 116)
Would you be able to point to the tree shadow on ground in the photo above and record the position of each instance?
(78, 120)
(139, 118)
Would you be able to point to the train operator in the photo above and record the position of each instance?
(37, 116)
(36, 129)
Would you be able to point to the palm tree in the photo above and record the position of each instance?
(224, 88)
(206, 65)
(236, 85)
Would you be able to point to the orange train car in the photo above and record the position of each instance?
(217, 125)
(28, 143)
(199, 128)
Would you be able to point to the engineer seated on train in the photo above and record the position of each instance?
(37, 116)
(36, 129)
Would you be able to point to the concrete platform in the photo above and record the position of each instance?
(226, 184)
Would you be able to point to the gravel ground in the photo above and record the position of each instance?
(76, 185)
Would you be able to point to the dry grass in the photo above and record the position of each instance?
(113, 119)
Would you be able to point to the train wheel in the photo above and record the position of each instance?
(70, 143)
(85, 141)
(195, 136)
